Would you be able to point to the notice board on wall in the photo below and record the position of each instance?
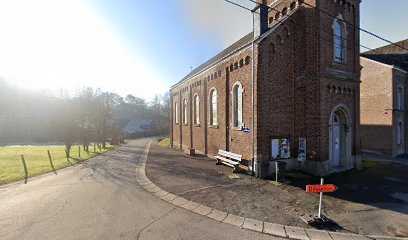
(280, 148)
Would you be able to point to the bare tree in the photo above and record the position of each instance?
(68, 124)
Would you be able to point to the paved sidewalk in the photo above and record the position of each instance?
(199, 180)
(403, 159)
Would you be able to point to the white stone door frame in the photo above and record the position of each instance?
(346, 135)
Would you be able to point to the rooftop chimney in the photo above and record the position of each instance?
(261, 17)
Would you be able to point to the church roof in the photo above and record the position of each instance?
(390, 54)
(225, 53)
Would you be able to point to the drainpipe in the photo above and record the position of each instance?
(252, 96)
(171, 117)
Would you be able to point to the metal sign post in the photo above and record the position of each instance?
(320, 201)
(321, 189)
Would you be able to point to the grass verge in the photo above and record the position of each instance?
(37, 161)
(165, 143)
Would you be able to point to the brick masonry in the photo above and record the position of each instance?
(380, 113)
(297, 88)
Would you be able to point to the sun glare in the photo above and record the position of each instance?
(63, 44)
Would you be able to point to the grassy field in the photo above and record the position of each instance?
(37, 161)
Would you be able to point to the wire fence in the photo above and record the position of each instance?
(23, 162)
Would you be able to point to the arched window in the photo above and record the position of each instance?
(400, 98)
(292, 6)
(196, 109)
(185, 117)
(213, 108)
(176, 115)
(237, 91)
(399, 133)
(339, 43)
(247, 60)
(284, 12)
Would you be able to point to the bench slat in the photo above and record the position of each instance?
(230, 155)
(227, 160)
(231, 165)
(233, 159)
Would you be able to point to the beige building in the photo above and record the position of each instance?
(384, 99)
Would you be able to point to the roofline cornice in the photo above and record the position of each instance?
(384, 64)
(244, 47)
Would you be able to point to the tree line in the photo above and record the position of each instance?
(87, 116)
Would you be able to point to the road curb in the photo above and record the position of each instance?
(247, 223)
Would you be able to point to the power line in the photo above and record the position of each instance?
(351, 24)
(330, 33)
(238, 5)
(357, 27)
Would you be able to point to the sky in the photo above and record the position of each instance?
(134, 46)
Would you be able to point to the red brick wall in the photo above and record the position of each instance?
(201, 85)
(176, 127)
(239, 141)
(276, 96)
(199, 129)
(376, 99)
(398, 80)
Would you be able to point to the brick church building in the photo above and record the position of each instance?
(301, 83)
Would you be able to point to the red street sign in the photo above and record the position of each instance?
(321, 188)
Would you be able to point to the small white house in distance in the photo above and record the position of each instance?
(138, 125)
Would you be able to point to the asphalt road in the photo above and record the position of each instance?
(101, 199)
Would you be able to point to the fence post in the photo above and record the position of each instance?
(94, 148)
(25, 168)
(79, 151)
(50, 158)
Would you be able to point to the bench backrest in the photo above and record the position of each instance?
(230, 155)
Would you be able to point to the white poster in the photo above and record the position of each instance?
(285, 148)
(275, 148)
(302, 150)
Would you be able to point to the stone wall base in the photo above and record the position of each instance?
(189, 151)
(268, 169)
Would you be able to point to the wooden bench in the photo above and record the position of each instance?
(229, 159)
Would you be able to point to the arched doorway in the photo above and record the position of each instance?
(340, 137)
